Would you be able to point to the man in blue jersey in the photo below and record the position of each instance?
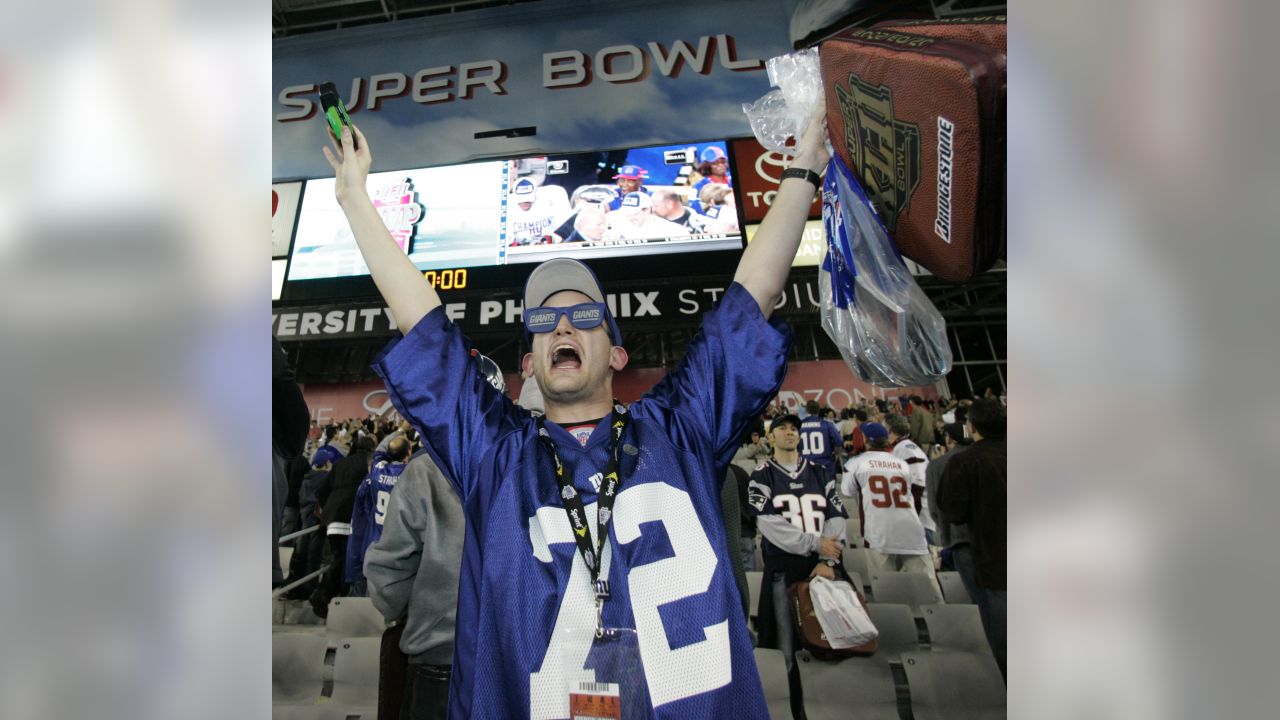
(369, 513)
(820, 441)
(589, 566)
(794, 501)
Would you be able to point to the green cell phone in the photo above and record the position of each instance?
(335, 112)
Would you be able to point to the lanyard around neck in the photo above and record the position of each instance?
(573, 506)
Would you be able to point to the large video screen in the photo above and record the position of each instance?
(645, 201)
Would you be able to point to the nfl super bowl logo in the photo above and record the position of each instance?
(884, 151)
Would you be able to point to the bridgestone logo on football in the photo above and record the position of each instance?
(942, 224)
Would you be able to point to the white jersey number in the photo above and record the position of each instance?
(805, 511)
(670, 674)
(813, 442)
(380, 507)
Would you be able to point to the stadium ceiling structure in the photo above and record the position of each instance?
(295, 17)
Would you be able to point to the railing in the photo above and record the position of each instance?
(300, 533)
(305, 578)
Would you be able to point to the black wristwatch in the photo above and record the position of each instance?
(809, 176)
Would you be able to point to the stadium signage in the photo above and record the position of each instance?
(584, 74)
(329, 322)
(561, 69)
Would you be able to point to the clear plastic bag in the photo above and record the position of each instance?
(886, 328)
(781, 114)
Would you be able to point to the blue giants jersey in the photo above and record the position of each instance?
(819, 440)
(525, 605)
(370, 512)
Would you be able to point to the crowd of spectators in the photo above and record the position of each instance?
(324, 481)
(954, 457)
(955, 462)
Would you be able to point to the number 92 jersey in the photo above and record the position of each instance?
(890, 522)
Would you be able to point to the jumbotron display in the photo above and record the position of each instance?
(644, 201)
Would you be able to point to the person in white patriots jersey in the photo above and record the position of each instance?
(906, 450)
(881, 485)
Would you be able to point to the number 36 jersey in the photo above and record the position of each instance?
(889, 520)
(806, 497)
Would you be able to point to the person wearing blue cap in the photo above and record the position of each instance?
(589, 567)
(881, 486)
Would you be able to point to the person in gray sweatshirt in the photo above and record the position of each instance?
(413, 574)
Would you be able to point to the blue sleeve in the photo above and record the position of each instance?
(433, 382)
(729, 372)
(833, 436)
(354, 568)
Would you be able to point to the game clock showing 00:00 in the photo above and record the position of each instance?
(447, 279)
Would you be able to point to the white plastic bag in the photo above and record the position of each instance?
(781, 114)
(843, 619)
(886, 328)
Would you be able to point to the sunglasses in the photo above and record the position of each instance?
(583, 317)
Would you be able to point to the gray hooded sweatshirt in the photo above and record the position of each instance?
(413, 568)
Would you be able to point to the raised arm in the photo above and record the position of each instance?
(767, 260)
(401, 284)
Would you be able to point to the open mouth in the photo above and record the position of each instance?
(565, 357)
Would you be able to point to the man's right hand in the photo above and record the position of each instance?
(399, 281)
(350, 166)
(830, 548)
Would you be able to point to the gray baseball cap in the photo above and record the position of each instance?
(562, 274)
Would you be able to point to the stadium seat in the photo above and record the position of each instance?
(913, 589)
(355, 674)
(855, 561)
(853, 530)
(850, 688)
(773, 675)
(353, 617)
(325, 711)
(953, 588)
(897, 627)
(753, 591)
(956, 627)
(858, 582)
(297, 668)
(954, 686)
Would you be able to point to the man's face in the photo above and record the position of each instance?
(628, 185)
(785, 437)
(666, 207)
(591, 223)
(573, 365)
(637, 216)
